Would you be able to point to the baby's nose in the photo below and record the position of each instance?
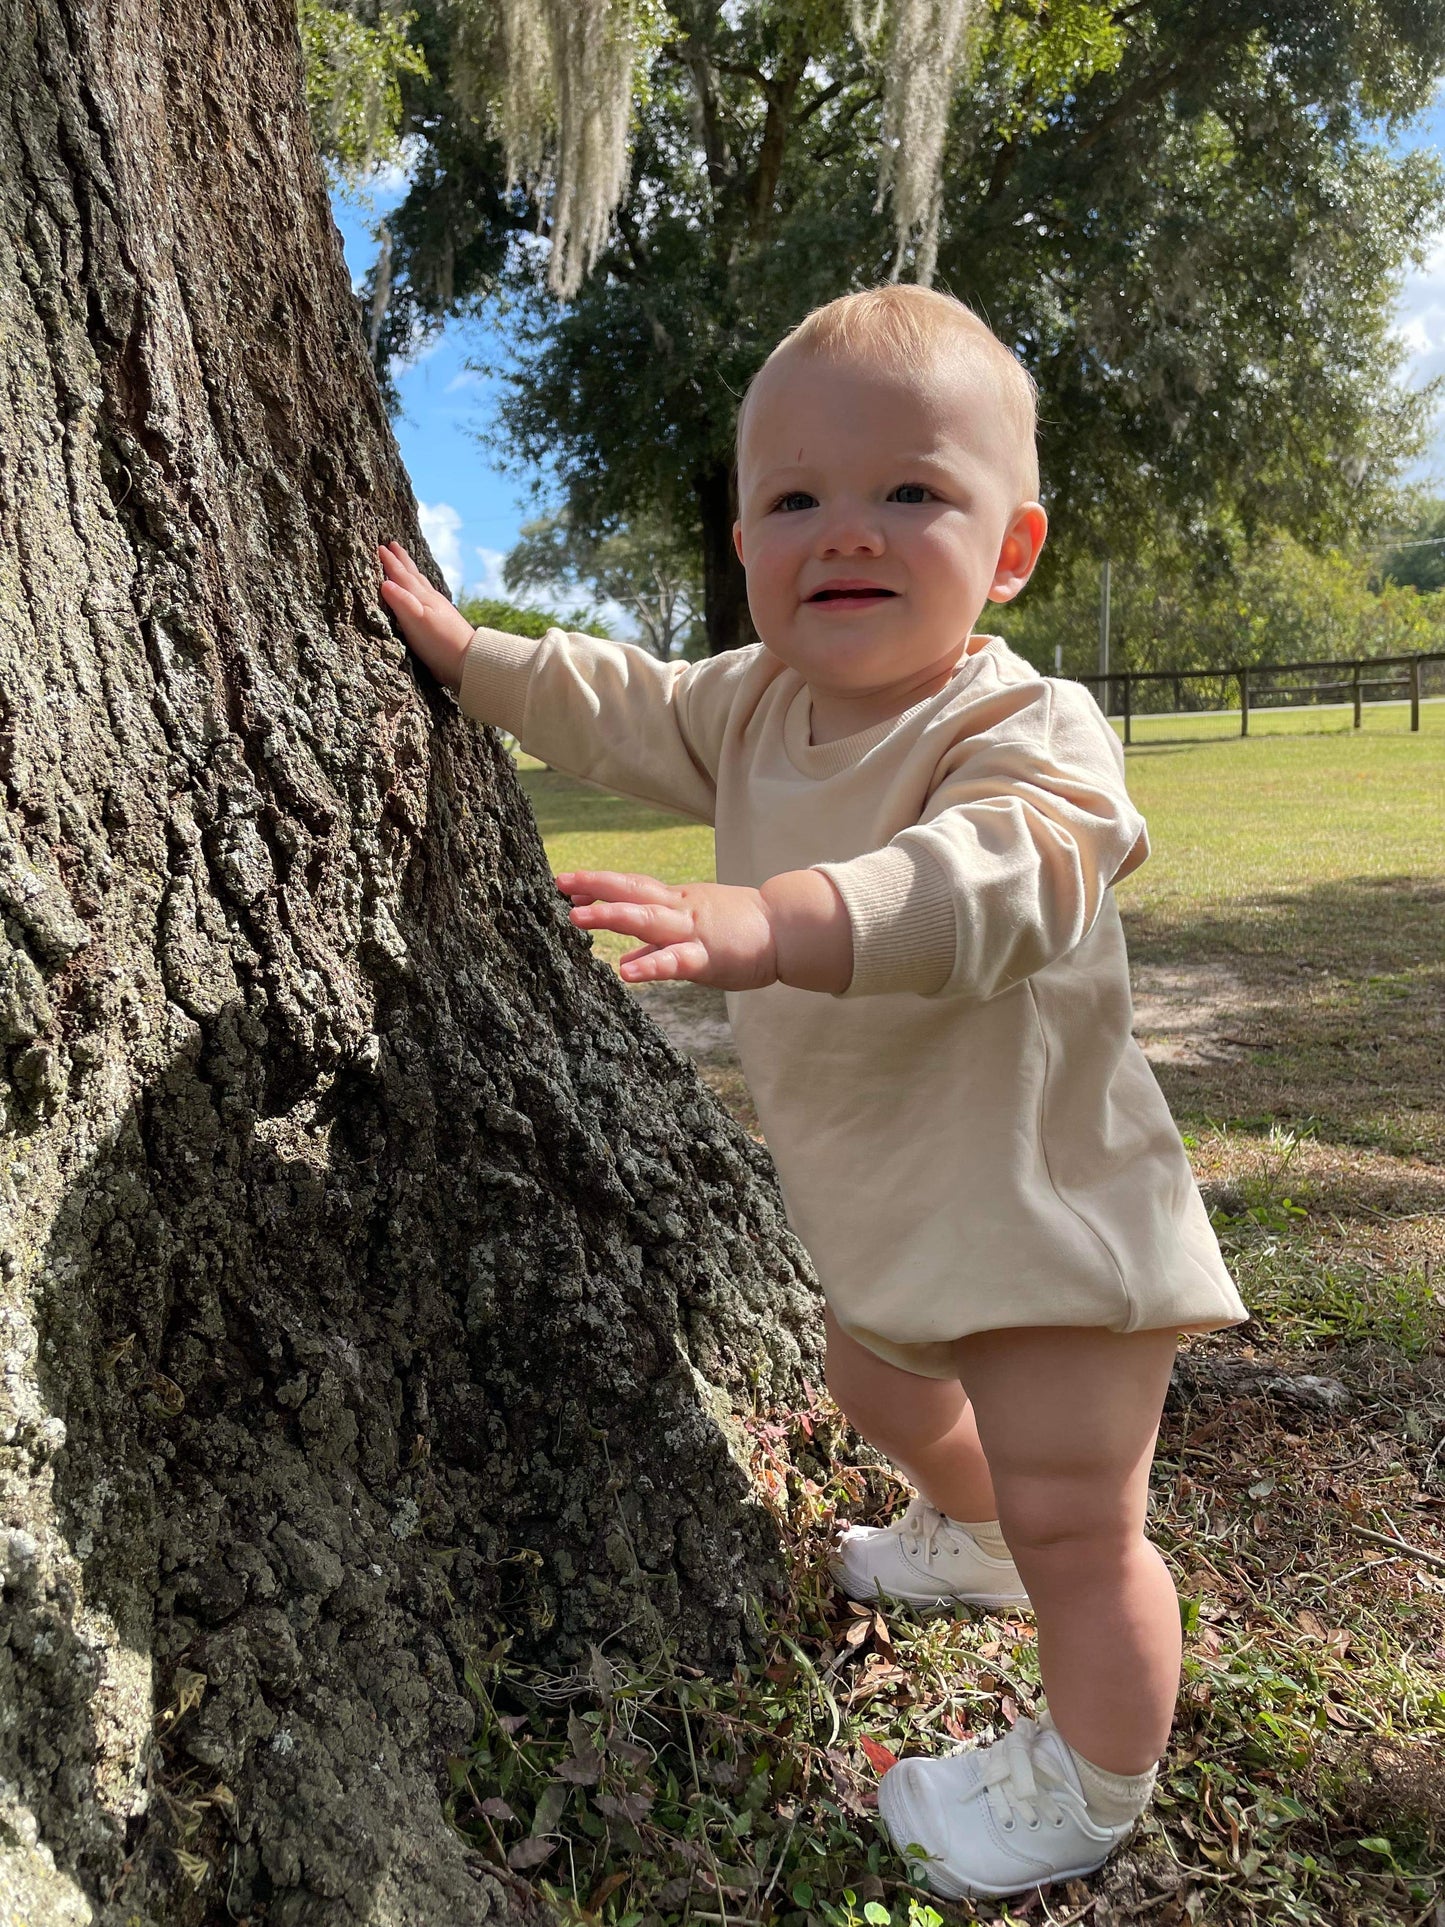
(850, 533)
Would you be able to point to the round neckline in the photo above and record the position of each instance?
(830, 759)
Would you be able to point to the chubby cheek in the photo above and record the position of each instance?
(772, 585)
(939, 551)
(945, 570)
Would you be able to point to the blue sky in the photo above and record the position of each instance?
(471, 511)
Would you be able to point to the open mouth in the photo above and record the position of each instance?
(851, 595)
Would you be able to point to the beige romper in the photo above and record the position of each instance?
(968, 1137)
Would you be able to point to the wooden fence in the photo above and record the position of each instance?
(1360, 681)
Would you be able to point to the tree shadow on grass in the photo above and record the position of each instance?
(1334, 1015)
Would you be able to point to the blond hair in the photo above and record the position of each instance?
(905, 328)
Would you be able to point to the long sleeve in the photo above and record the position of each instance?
(1028, 825)
(609, 713)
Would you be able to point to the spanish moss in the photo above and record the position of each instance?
(926, 46)
(566, 98)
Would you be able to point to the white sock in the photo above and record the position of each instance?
(986, 1535)
(1113, 1799)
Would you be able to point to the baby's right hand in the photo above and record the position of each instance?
(432, 625)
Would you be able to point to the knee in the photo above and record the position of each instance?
(896, 1426)
(1057, 1520)
(893, 1409)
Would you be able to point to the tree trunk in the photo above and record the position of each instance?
(368, 1261)
(724, 583)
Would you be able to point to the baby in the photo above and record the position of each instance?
(913, 920)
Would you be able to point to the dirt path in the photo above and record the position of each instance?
(1183, 1014)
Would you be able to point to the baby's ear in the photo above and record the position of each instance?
(1019, 552)
(738, 540)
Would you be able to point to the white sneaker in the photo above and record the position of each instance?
(995, 1819)
(926, 1559)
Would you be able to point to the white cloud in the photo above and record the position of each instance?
(1425, 285)
(441, 525)
(491, 583)
(468, 378)
(1415, 335)
(1420, 325)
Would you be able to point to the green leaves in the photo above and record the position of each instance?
(1192, 234)
(1237, 597)
(1054, 48)
(353, 84)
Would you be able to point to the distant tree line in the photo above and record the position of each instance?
(1269, 599)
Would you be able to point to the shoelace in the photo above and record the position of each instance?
(923, 1527)
(1010, 1785)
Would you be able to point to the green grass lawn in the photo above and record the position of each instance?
(1287, 807)
(1233, 821)
(585, 828)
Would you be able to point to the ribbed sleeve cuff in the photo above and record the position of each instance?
(901, 907)
(495, 673)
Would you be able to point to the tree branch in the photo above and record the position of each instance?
(1146, 88)
(1007, 155)
(700, 65)
(762, 181)
(821, 99)
(832, 151)
(641, 253)
(745, 72)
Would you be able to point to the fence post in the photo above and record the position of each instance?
(1357, 696)
(1128, 708)
(1243, 675)
(1415, 693)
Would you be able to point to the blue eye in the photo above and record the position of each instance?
(796, 495)
(918, 486)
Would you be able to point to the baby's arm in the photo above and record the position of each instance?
(606, 712)
(794, 930)
(1029, 824)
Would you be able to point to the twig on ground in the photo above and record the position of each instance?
(782, 1857)
(1068, 1920)
(1399, 1546)
(1355, 1571)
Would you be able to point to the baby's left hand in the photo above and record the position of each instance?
(795, 930)
(704, 933)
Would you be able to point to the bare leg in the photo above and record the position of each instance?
(1069, 1418)
(925, 1425)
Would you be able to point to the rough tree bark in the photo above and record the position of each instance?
(369, 1264)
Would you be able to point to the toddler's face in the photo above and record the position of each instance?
(850, 475)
